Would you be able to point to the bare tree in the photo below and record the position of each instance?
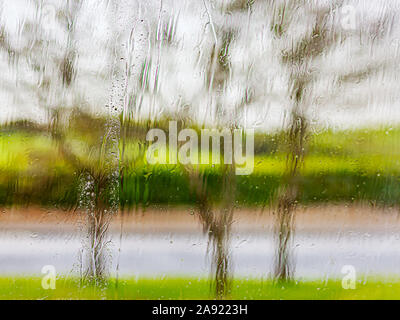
(54, 67)
(303, 58)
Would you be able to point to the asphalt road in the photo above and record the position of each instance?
(168, 254)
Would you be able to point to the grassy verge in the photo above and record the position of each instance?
(345, 166)
(185, 288)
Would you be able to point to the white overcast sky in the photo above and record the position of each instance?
(374, 102)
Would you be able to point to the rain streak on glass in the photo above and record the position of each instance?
(231, 148)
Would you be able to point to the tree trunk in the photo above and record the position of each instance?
(287, 199)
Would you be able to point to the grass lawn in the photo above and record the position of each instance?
(185, 288)
(345, 166)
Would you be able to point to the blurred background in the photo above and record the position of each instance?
(82, 83)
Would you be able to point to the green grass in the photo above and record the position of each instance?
(183, 288)
(342, 166)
